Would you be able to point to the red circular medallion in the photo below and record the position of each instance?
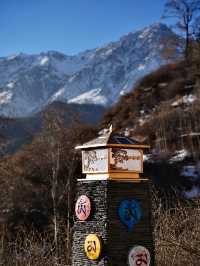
(83, 208)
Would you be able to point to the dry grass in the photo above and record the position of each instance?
(177, 240)
(33, 248)
(177, 234)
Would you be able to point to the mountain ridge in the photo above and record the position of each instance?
(28, 83)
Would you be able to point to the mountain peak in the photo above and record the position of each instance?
(158, 28)
(159, 25)
(15, 56)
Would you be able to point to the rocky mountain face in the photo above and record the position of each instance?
(28, 83)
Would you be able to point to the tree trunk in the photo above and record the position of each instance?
(187, 43)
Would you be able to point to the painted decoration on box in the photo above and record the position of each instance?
(95, 161)
(139, 256)
(126, 160)
(130, 213)
(83, 208)
(93, 246)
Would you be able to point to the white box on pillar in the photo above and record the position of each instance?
(112, 156)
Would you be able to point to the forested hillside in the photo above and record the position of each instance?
(163, 110)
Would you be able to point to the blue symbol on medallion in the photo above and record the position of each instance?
(130, 213)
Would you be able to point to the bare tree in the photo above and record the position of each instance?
(52, 135)
(185, 12)
(60, 143)
(196, 49)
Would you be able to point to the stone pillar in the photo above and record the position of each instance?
(97, 223)
(118, 238)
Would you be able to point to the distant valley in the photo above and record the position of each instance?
(15, 132)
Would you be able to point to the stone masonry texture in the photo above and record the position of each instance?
(96, 224)
(104, 221)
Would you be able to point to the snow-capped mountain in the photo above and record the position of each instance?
(28, 83)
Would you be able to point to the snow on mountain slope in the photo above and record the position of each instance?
(90, 97)
(30, 82)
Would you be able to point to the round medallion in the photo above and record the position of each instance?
(83, 208)
(93, 247)
(130, 213)
(139, 256)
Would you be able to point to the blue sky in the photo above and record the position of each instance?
(70, 26)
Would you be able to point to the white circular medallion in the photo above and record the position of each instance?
(139, 256)
(83, 208)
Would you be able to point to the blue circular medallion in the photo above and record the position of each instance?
(130, 213)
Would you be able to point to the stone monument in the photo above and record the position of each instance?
(113, 205)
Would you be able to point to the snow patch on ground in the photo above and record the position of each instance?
(141, 67)
(186, 99)
(44, 60)
(90, 97)
(144, 33)
(72, 78)
(5, 97)
(10, 85)
(109, 51)
(162, 84)
(57, 94)
(141, 121)
(122, 92)
(179, 156)
(12, 57)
